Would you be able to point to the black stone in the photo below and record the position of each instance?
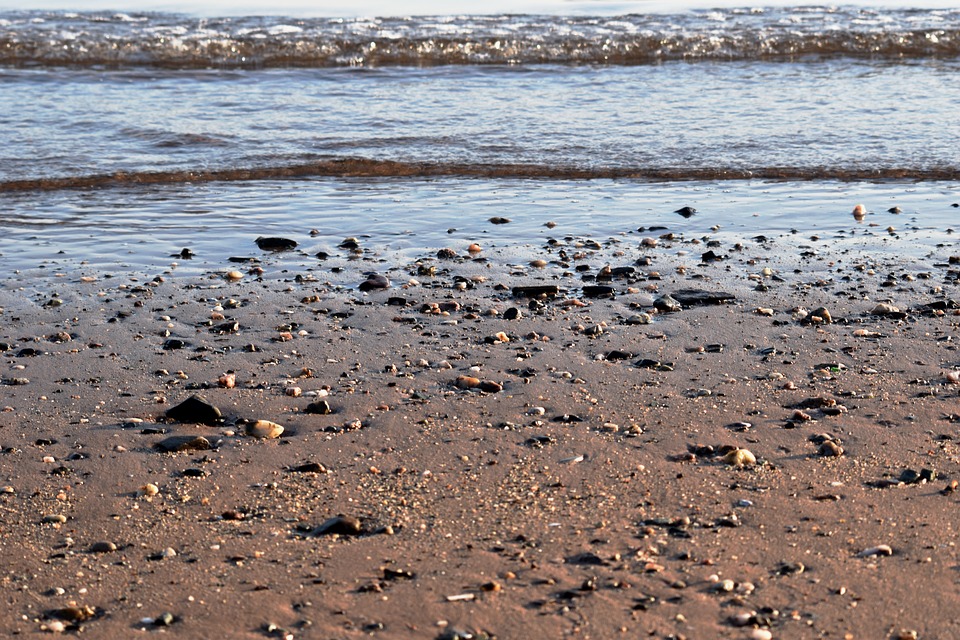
(700, 297)
(534, 291)
(686, 212)
(373, 282)
(616, 354)
(598, 291)
(320, 407)
(196, 410)
(276, 244)
(173, 344)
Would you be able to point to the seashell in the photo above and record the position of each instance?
(264, 429)
(740, 458)
(879, 550)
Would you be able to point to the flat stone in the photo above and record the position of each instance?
(184, 443)
(535, 291)
(275, 244)
(374, 282)
(701, 297)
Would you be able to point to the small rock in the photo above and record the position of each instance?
(275, 244)
(320, 407)
(740, 458)
(830, 449)
(196, 410)
(884, 309)
(374, 282)
(339, 525)
(102, 547)
(184, 443)
(264, 429)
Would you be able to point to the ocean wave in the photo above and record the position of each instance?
(161, 40)
(372, 168)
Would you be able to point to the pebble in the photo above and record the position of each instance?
(275, 244)
(859, 212)
(319, 407)
(830, 449)
(339, 525)
(227, 381)
(149, 490)
(102, 547)
(884, 309)
(264, 429)
(233, 275)
(374, 282)
(196, 409)
(740, 458)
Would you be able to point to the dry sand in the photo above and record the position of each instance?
(581, 500)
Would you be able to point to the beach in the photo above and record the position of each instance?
(770, 454)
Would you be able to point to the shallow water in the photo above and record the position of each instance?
(138, 231)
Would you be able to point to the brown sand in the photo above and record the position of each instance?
(610, 529)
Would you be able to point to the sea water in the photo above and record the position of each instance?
(129, 136)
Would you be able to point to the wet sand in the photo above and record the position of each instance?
(588, 492)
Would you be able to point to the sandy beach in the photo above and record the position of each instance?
(769, 452)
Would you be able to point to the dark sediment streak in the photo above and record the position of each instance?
(366, 168)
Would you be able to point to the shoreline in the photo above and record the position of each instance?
(590, 496)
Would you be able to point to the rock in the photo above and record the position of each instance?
(598, 291)
(686, 212)
(830, 449)
(233, 275)
(512, 314)
(172, 344)
(666, 303)
(489, 386)
(196, 410)
(499, 220)
(374, 282)
(740, 458)
(183, 443)
(884, 309)
(467, 382)
(275, 244)
(446, 254)
(700, 297)
(339, 525)
(264, 429)
(859, 212)
(535, 291)
(320, 407)
(310, 467)
(102, 547)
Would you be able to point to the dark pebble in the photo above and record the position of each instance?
(598, 291)
(339, 525)
(196, 410)
(686, 212)
(320, 407)
(373, 282)
(102, 547)
(276, 244)
(534, 291)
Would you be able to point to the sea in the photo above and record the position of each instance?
(132, 133)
